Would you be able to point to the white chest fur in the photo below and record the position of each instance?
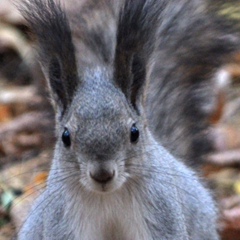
(108, 217)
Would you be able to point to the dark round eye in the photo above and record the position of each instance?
(66, 138)
(134, 134)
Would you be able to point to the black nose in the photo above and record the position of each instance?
(102, 176)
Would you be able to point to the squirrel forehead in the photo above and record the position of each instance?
(98, 111)
(95, 100)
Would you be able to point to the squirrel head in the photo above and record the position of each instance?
(100, 124)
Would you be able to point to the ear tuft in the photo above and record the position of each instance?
(48, 21)
(135, 47)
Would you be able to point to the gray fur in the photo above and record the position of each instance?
(117, 50)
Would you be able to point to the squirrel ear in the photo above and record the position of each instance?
(54, 75)
(130, 77)
(123, 72)
(134, 47)
(62, 83)
(49, 23)
(139, 81)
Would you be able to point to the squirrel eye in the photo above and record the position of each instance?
(66, 138)
(134, 134)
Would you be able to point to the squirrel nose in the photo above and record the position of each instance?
(102, 176)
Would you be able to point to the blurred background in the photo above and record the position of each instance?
(27, 127)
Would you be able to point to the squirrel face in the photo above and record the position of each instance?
(100, 131)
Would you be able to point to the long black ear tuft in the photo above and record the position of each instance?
(49, 23)
(135, 45)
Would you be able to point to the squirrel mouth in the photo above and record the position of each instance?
(103, 188)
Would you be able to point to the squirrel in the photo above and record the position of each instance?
(126, 78)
